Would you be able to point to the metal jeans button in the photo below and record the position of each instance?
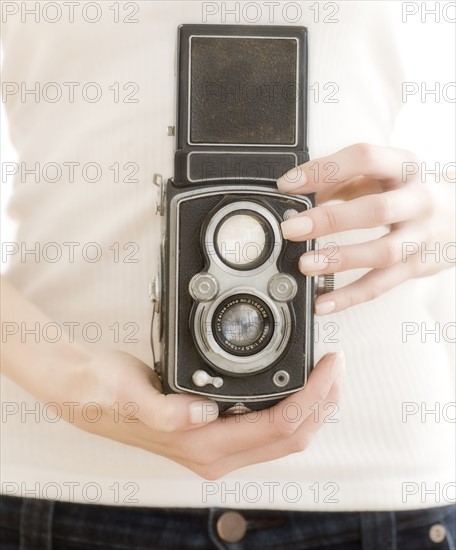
(437, 533)
(231, 526)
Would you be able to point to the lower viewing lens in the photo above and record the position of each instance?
(243, 325)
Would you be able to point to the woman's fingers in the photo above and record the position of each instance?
(384, 252)
(135, 393)
(175, 412)
(374, 182)
(362, 159)
(384, 209)
(350, 189)
(298, 441)
(160, 423)
(370, 286)
(230, 435)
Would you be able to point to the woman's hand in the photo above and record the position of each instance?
(373, 182)
(185, 428)
(115, 395)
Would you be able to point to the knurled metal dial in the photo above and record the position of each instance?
(324, 284)
(203, 287)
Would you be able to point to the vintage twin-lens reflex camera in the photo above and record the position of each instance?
(236, 315)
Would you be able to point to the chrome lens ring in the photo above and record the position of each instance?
(275, 338)
(243, 240)
(255, 252)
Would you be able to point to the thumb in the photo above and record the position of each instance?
(173, 412)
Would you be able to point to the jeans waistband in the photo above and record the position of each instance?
(31, 524)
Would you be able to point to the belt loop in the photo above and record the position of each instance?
(393, 527)
(36, 524)
(378, 531)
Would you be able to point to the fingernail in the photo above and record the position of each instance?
(323, 308)
(202, 412)
(289, 183)
(313, 262)
(338, 366)
(295, 227)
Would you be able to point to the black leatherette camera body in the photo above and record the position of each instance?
(241, 124)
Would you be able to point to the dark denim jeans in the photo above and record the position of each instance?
(28, 524)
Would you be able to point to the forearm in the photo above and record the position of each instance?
(40, 367)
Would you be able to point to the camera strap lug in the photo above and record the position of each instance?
(160, 204)
(154, 293)
(157, 364)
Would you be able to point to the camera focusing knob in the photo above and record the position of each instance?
(203, 287)
(324, 284)
(201, 378)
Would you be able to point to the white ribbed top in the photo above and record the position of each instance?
(359, 462)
